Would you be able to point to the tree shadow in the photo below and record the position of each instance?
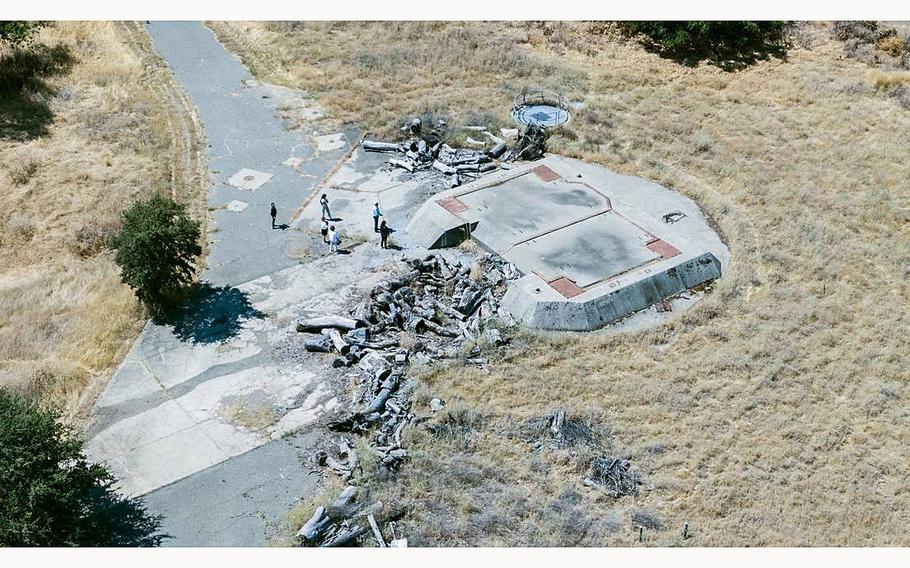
(726, 47)
(114, 520)
(726, 58)
(24, 92)
(210, 314)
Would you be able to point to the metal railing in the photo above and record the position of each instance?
(537, 96)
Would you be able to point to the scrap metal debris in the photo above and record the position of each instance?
(673, 216)
(423, 153)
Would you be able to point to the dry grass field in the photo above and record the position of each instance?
(97, 125)
(773, 413)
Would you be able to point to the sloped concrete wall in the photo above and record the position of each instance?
(535, 303)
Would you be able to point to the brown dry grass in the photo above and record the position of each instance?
(66, 320)
(775, 411)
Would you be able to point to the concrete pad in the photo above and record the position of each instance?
(237, 206)
(136, 381)
(329, 142)
(586, 252)
(234, 503)
(141, 430)
(589, 256)
(153, 465)
(248, 179)
(525, 206)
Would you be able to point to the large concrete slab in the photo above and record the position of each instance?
(593, 246)
(586, 252)
(526, 206)
(237, 502)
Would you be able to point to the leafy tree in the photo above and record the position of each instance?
(51, 495)
(722, 42)
(19, 32)
(156, 251)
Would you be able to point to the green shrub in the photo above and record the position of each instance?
(19, 32)
(51, 495)
(156, 250)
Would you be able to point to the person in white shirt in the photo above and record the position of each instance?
(334, 239)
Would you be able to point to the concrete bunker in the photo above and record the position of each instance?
(593, 246)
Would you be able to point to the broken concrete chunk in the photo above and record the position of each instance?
(360, 335)
(493, 336)
(321, 344)
(402, 164)
(375, 146)
(372, 362)
(315, 325)
(446, 169)
(497, 150)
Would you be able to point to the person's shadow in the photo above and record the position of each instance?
(282, 226)
(210, 314)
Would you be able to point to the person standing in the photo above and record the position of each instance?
(274, 212)
(325, 231)
(377, 213)
(324, 201)
(384, 231)
(334, 239)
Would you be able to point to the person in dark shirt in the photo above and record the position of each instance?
(324, 202)
(384, 231)
(274, 213)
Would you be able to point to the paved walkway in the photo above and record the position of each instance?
(196, 394)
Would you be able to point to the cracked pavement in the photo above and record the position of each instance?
(208, 414)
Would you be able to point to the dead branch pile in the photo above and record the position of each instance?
(441, 305)
(558, 431)
(615, 476)
(429, 153)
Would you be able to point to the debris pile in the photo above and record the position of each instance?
(615, 476)
(429, 153)
(440, 304)
(437, 306)
(343, 522)
(558, 431)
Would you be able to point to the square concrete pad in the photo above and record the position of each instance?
(526, 207)
(587, 252)
(237, 206)
(248, 179)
